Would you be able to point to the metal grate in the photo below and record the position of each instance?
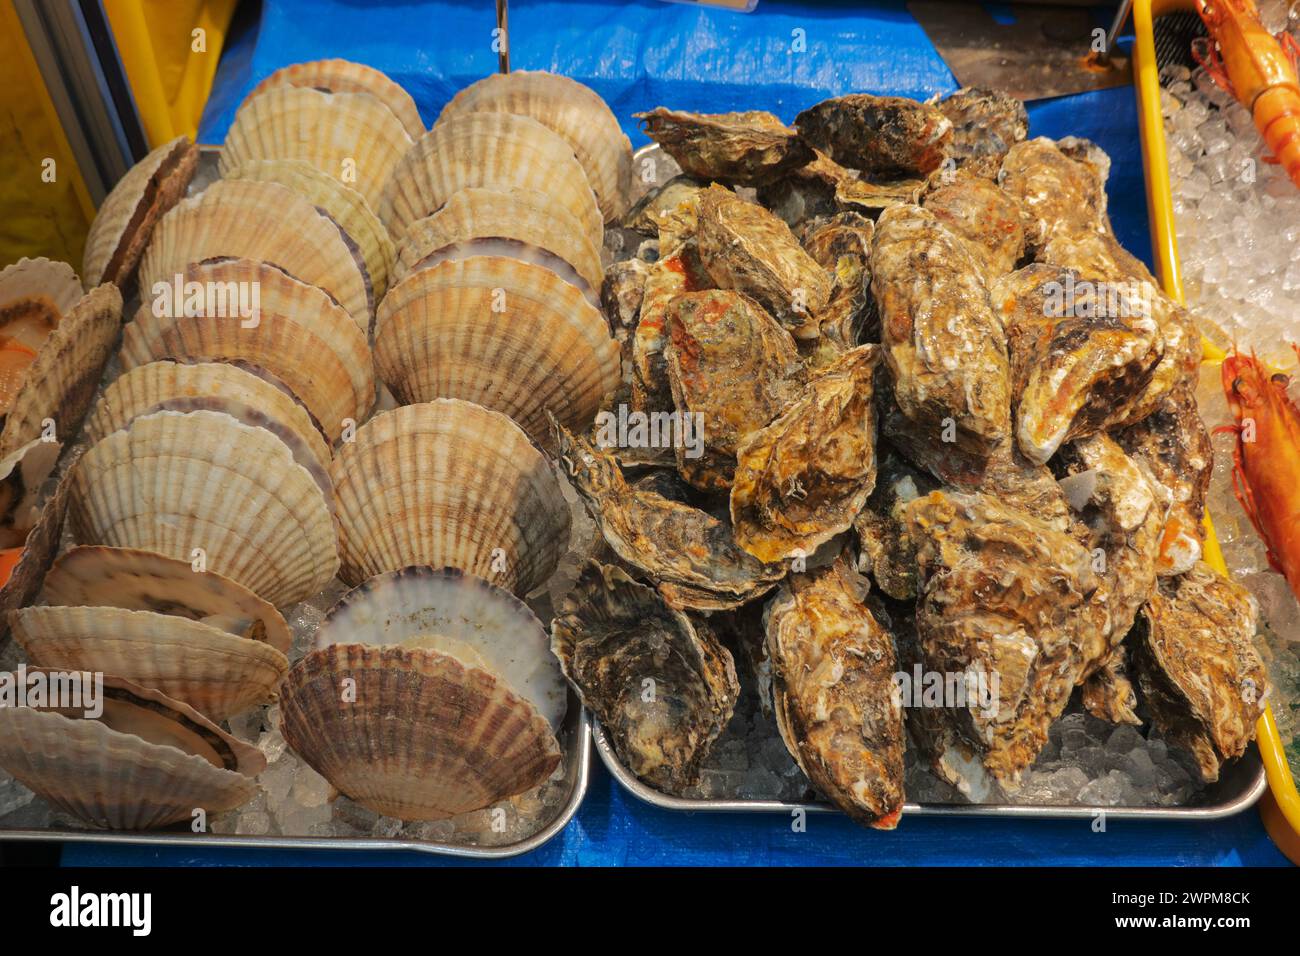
(1173, 34)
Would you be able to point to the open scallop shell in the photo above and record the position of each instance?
(572, 110)
(520, 214)
(216, 673)
(506, 334)
(94, 576)
(448, 484)
(353, 137)
(344, 76)
(22, 477)
(175, 482)
(495, 150)
(240, 218)
(457, 614)
(302, 337)
(39, 549)
(62, 379)
(128, 214)
(345, 206)
(416, 735)
(49, 282)
(147, 761)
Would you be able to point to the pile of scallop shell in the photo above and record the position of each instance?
(234, 467)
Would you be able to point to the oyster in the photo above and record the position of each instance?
(448, 483)
(883, 135)
(344, 76)
(691, 555)
(944, 346)
(985, 125)
(745, 248)
(824, 187)
(147, 761)
(90, 576)
(990, 220)
(621, 296)
(413, 734)
(128, 214)
(801, 480)
(574, 111)
(215, 672)
(660, 203)
(1108, 693)
(733, 367)
(1059, 194)
(1200, 674)
(842, 246)
(836, 704)
(885, 549)
(659, 682)
(750, 149)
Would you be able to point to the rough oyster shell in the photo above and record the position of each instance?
(493, 150)
(521, 214)
(836, 704)
(1059, 194)
(174, 482)
(985, 125)
(801, 480)
(1200, 674)
(661, 685)
(884, 548)
(302, 337)
(149, 761)
(353, 137)
(94, 576)
(240, 218)
(990, 220)
(752, 148)
(824, 187)
(885, 135)
(460, 615)
(842, 246)
(347, 207)
(506, 334)
(218, 674)
(448, 483)
(572, 110)
(416, 734)
(344, 76)
(127, 216)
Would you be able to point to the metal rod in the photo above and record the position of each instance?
(1121, 16)
(503, 36)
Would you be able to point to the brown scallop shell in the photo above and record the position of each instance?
(344, 76)
(49, 281)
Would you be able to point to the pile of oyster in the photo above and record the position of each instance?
(898, 404)
(342, 364)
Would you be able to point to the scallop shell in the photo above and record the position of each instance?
(239, 218)
(520, 214)
(509, 335)
(93, 576)
(39, 549)
(302, 337)
(345, 206)
(215, 386)
(423, 738)
(456, 614)
(216, 673)
(128, 214)
(448, 484)
(496, 150)
(22, 476)
(54, 282)
(62, 379)
(344, 76)
(149, 761)
(353, 137)
(174, 482)
(572, 110)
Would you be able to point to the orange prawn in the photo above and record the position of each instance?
(1259, 69)
(1266, 459)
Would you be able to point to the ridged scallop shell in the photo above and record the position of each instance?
(520, 214)
(239, 218)
(345, 206)
(495, 150)
(50, 280)
(214, 386)
(302, 337)
(128, 771)
(344, 76)
(216, 673)
(128, 214)
(572, 110)
(39, 548)
(22, 478)
(95, 576)
(457, 614)
(448, 484)
(508, 335)
(423, 738)
(173, 482)
(62, 379)
(353, 137)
